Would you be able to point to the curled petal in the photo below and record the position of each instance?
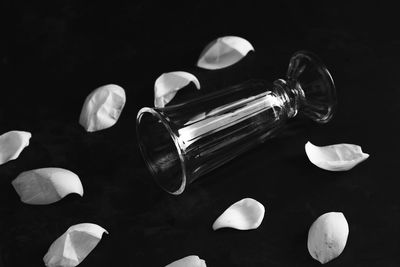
(340, 157)
(189, 261)
(74, 245)
(327, 236)
(102, 108)
(168, 84)
(223, 52)
(46, 185)
(11, 145)
(245, 214)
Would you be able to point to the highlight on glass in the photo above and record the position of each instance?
(183, 142)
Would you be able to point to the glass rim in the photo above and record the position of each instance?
(174, 138)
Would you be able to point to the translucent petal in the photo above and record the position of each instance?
(102, 108)
(168, 84)
(11, 145)
(74, 245)
(46, 185)
(327, 236)
(245, 214)
(223, 52)
(340, 157)
(189, 261)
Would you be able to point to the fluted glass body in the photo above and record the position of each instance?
(183, 142)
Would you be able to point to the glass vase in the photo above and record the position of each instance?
(183, 142)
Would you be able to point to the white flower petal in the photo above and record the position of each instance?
(223, 52)
(74, 245)
(245, 214)
(11, 145)
(189, 261)
(327, 236)
(46, 185)
(340, 157)
(168, 84)
(102, 108)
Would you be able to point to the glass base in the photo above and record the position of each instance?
(307, 73)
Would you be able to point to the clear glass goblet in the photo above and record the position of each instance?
(183, 142)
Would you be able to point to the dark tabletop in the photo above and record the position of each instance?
(56, 52)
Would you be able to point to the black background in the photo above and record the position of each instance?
(54, 53)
